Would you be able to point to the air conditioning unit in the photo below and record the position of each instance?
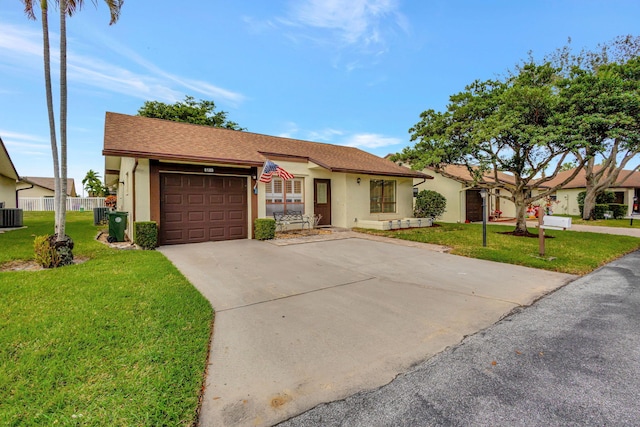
(10, 218)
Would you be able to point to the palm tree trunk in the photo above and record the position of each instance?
(63, 121)
(52, 121)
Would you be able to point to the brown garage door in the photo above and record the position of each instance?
(202, 208)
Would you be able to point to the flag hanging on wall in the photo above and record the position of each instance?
(269, 169)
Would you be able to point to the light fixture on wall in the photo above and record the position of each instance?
(358, 180)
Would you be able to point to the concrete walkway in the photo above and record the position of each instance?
(306, 323)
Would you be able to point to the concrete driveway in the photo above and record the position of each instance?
(303, 324)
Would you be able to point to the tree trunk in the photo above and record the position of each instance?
(589, 207)
(52, 122)
(63, 121)
(521, 210)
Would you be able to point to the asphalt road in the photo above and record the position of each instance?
(572, 358)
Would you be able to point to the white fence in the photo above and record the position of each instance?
(73, 203)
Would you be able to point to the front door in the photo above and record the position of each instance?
(322, 200)
(474, 205)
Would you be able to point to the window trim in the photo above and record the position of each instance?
(382, 205)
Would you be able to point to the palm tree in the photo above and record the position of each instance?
(67, 7)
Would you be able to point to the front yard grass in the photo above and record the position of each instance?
(567, 251)
(120, 339)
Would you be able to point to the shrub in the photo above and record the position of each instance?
(603, 198)
(619, 211)
(45, 255)
(50, 253)
(429, 204)
(146, 233)
(265, 228)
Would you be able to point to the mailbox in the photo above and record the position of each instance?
(556, 222)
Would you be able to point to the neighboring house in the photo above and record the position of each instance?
(565, 200)
(8, 178)
(200, 183)
(32, 186)
(464, 200)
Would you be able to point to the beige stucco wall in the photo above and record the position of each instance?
(568, 200)
(454, 192)
(451, 190)
(36, 191)
(349, 200)
(8, 191)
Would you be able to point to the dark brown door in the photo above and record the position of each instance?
(202, 208)
(322, 200)
(474, 205)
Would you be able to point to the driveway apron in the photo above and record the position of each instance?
(299, 325)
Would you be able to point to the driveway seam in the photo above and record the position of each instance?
(297, 294)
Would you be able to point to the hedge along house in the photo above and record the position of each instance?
(200, 183)
(464, 200)
(565, 200)
(8, 178)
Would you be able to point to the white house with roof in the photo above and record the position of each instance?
(201, 183)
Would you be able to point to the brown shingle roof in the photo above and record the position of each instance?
(580, 181)
(49, 183)
(134, 136)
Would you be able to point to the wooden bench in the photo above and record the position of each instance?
(290, 217)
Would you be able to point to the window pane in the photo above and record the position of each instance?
(321, 193)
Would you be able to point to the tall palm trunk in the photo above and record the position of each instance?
(52, 121)
(63, 122)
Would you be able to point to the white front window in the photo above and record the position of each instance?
(284, 196)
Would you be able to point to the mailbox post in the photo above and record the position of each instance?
(552, 223)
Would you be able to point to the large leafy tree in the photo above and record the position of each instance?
(189, 111)
(66, 8)
(602, 91)
(509, 125)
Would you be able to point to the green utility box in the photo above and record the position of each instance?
(117, 226)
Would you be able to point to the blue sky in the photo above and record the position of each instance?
(348, 72)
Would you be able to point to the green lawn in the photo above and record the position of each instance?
(120, 339)
(568, 251)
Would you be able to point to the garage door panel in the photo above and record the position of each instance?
(236, 232)
(195, 216)
(196, 181)
(173, 181)
(236, 199)
(173, 199)
(173, 217)
(174, 235)
(198, 208)
(217, 233)
(216, 216)
(236, 215)
(195, 199)
(216, 199)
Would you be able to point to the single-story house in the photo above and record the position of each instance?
(33, 186)
(200, 183)
(565, 200)
(8, 178)
(464, 200)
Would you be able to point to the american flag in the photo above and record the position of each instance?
(269, 169)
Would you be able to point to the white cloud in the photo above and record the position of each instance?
(371, 140)
(361, 22)
(365, 141)
(20, 48)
